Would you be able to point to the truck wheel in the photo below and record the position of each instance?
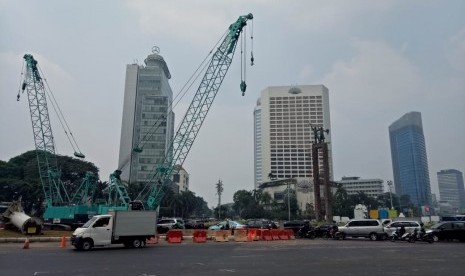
(136, 243)
(87, 245)
(373, 236)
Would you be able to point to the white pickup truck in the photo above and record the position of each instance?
(130, 228)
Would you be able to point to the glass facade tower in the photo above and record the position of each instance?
(409, 161)
(148, 121)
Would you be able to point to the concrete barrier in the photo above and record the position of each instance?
(222, 235)
(240, 235)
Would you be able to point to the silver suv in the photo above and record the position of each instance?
(367, 228)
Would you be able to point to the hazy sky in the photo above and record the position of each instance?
(379, 60)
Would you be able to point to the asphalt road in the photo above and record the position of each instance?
(295, 257)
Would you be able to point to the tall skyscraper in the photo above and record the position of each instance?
(409, 161)
(284, 116)
(451, 188)
(148, 121)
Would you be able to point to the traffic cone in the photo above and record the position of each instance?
(63, 241)
(26, 244)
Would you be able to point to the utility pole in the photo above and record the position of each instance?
(219, 191)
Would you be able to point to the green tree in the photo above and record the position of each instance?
(19, 177)
(246, 204)
(341, 204)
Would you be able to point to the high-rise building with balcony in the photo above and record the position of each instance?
(148, 121)
(451, 188)
(284, 116)
(409, 161)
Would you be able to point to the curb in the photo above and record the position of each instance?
(32, 239)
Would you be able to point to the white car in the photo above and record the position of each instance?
(410, 226)
(229, 224)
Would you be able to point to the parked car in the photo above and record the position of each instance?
(385, 222)
(448, 230)
(409, 226)
(367, 228)
(227, 224)
(322, 229)
(295, 225)
(261, 224)
(194, 224)
(165, 224)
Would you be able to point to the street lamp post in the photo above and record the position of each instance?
(219, 191)
(390, 193)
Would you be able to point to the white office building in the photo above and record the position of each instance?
(354, 185)
(287, 115)
(258, 144)
(181, 179)
(284, 117)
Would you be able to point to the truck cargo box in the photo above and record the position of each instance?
(134, 223)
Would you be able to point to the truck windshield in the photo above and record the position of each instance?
(89, 223)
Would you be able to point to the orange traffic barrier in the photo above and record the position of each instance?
(275, 234)
(240, 235)
(153, 240)
(199, 236)
(174, 236)
(283, 234)
(291, 234)
(63, 241)
(221, 235)
(26, 244)
(252, 234)
(260, 234)
(266, 235)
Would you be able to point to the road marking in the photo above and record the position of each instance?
(227, 270)
(41, 272)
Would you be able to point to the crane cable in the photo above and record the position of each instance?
(252, 59)
(65, 126)
(20, 82)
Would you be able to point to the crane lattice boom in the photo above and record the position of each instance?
(54, 192)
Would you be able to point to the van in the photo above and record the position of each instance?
(366, 228)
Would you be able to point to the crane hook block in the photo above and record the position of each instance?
(79, 155)
(243, 87)
(251, 59)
